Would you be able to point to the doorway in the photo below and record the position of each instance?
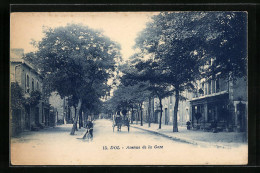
(241, 116)
(27, 118)
(166, 116)
(37, 122)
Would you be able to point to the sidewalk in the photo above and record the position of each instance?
(201, 138)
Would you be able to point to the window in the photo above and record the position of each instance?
(32, 84)
(209, 87)
(213, 86)
(202, 89)
(170, 99)
(37, 85)
(211, 113)
(217, 85)
(27, 84)
(206, 89)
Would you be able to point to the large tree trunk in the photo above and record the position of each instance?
(175, 125)
(141, 111)
(80, 119)
(69, 115)
(84, 118)
(165, 117)
(132, 114)
(76, 118)
(160, 122)
(137, 116)
(149, 112)
(153, 119)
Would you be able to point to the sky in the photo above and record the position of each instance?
(122, 27)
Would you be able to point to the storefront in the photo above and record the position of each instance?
(211, 109)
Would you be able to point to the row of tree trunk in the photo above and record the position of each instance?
(139, 114)
(79, 118)
(79, 115)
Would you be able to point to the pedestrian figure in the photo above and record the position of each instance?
(118, 121)
(188, 125)
(214, 126)
(89, 127)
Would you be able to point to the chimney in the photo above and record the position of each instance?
(17, 53)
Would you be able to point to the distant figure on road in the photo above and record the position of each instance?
(89, 127)
(118, 121)
(188, 125)
(118, 117)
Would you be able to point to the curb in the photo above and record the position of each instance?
(197, 143)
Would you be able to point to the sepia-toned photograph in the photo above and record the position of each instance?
(129, 88)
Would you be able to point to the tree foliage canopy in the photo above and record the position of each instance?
(34, 99)
(184, 46)
(183, 41)
(17, 96)
(18, 99)
(77, 62)
(130, 96)
(75, 59)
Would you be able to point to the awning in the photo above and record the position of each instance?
(216, 97)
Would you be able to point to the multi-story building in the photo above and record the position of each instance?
(216, 101)
(29, 79)
(221, 101)
(168, 103)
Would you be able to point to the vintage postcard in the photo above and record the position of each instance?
(128, 88)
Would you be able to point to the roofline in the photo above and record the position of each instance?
(25, 63)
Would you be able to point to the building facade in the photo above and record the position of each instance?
(220, 101)
(168, 103)
(29, 79)
(217, 101)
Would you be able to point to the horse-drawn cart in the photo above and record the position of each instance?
(119, 122)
